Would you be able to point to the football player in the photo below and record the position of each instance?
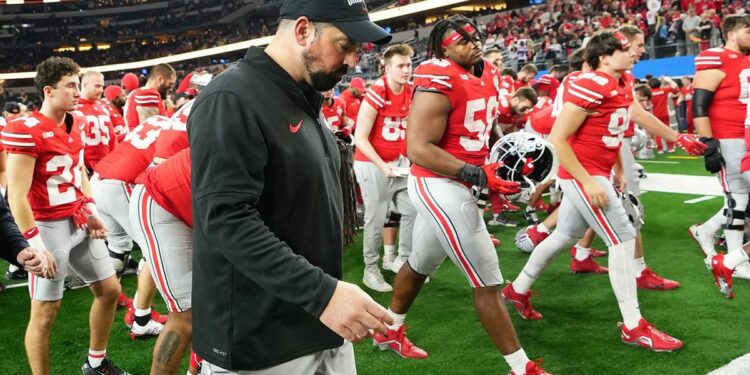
(452, 114)
(147, 101)
(111, 184)
(100, 138)
(379, 163)
(525, 75)
(587, 146)
(115, 99)
(661, 95)
(161, 215)
(334, 112)
(719, 111)
(50, 200)
(352, 98)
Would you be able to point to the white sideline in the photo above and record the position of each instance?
(739, 366)
(682, 184)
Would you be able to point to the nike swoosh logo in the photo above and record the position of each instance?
(294, 129)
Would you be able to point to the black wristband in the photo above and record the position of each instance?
(473, 174)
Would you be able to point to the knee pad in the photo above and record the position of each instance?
(735, 211)
(393, 219)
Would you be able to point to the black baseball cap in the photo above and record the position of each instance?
(12, 107)
(349, 16)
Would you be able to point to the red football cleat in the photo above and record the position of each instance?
(650, 280)
(533, 368)
(494, 240)
(722, 275)
(541, 206)
(397, 341)
(647, 336)
(588, 265)
(129, 317)
(507, 206)
(521, 302)
(123, 302)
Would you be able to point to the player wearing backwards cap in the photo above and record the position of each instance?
(352, 98)
(147, 101)
(100, 138)
(51, 204)
(720, 96)
(379, 162)
(450, 120)
(587, 136)
(290, 313)
(115, 100)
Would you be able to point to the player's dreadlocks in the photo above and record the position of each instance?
(348, 192)
(455, 23)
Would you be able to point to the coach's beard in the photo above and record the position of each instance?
(322, 81)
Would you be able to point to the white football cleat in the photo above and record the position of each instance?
(374, 280)
(704, 240)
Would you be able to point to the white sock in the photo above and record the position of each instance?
(713, 224)
(735, 257)
(542, 229)
(143, 312)
(398, 319)
(582, 252)
(390, 250)
(12, 268)
(96, 357)
(517, 361)
(540, 258)
(622, 278)
(640, 266)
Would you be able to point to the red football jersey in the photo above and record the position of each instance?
(169, 186)
(549, 83)
(728, 107)
(55, 191)
(597, 142)
(540, 116)
(100, 138)
(135, 153)
(506, 85)
(388, 133)
(473, 108)
(506, 118)
(142, 97)
(660, 98)
(351, 107)
(557, 103)
(334, 113)
(630, 79)
(118, 123)
(3, 123)
(174, 138)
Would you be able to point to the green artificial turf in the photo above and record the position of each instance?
(578, 335)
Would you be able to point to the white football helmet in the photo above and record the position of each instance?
(526, 158)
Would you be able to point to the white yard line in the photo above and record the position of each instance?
(682, 184)
(701, 199)
(739, 366)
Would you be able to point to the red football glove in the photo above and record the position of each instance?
(691, 144)
(496, 183)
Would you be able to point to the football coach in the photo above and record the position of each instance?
(267, 201)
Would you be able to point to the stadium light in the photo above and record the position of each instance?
(381, 15)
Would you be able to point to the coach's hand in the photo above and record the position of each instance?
(38, 262)
(596, 194)
(353, 314)
(96, 227)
